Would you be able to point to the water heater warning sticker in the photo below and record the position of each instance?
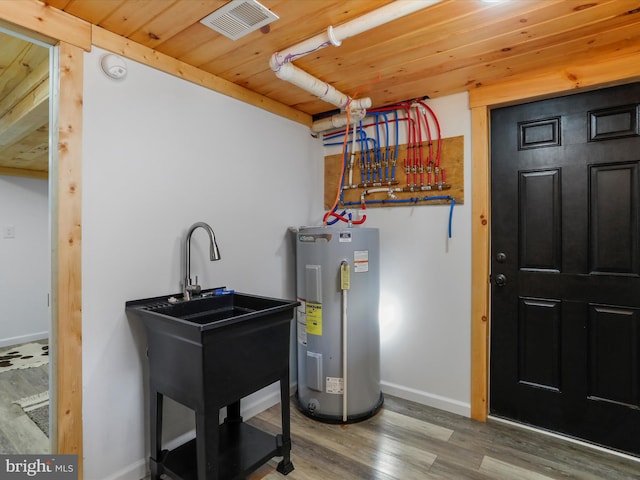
(361, 261)
(302, 323)
(314, 318)
(335, 385)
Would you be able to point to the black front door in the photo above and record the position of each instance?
(565, 268)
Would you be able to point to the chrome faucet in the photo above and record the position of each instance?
(189, 288)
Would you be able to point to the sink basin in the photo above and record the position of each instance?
(208, 353)
(209, 310)
(237, 342)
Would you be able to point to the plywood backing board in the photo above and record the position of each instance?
(451, 160)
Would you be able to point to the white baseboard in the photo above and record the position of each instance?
(426, 398)
(32, 337)
(135, 471)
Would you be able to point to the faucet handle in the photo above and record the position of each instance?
(194, 288)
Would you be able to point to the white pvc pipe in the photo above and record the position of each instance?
(335, 35)
(336, 121)
(320, 89)
(280, 62)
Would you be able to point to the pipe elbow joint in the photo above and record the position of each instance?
(360, 103)
(285, 71)
(331, 34)
(275, 63)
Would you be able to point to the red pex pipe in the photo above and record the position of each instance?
(419, 160)
(411, 154)
(428, 128)
(435, 120)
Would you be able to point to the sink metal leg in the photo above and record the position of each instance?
(155, 424)
(233, 412)
(285, 466)
(207, 443)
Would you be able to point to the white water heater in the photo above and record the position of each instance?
(338, 332)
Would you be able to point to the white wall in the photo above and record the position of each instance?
(25, 261)
(159, 154)
(425, 287)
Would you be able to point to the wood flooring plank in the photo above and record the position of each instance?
(407, 440)
(388, 418)
(505, 471)
(546, 455)
(18, 434)
(334, 455)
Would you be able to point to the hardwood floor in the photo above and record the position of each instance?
(18, 434)
(408, 441)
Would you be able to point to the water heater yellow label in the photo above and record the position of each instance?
(345, 276)
(314, 318)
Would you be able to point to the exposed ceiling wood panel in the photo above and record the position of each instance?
(450, 47)
(24, 107)
(29, 114)
(446, 48)
(29, 154)
(127, 17)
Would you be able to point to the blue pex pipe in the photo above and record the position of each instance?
(415, 200)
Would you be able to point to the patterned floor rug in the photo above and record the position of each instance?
(24, 356)
(36, 407)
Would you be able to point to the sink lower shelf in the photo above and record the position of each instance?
(243, 448)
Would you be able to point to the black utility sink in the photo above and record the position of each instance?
(210, 310)
(208, 353)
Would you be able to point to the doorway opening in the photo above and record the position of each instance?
(26, 157)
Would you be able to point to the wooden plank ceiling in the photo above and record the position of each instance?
(450, 47)
(24, 107)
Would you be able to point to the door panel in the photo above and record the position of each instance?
(539, 226)
(539, 323)
(614, 219)
(613, 347)
(565, 331)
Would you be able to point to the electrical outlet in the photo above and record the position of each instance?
(9, 231)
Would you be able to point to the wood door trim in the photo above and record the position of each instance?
(67, 317)
(584, 77)
(32, 16)
(480, 209)
(38, 21)
(600, 73)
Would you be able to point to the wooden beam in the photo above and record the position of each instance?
(479, 263)
(67, 321)
(23, 172)
(570, 79)
(114, 43)
(26, 82)
(31, 113)
(55, 24)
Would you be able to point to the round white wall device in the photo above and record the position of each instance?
(113, 66)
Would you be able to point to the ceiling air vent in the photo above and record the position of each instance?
(239, 17)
